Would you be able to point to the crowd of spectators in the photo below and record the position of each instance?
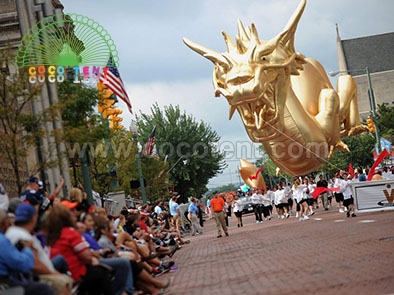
(52, 245)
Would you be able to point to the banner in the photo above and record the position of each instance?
(373, 195)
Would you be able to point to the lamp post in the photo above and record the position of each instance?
(371, 99)
(134, 132)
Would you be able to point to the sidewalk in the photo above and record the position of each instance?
(329, 254)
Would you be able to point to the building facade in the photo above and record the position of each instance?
(375, 52)
(16, 19)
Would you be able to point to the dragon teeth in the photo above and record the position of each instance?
(258, 118)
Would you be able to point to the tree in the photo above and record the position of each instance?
(126, 166)
(385, 115)
(360, 154)
(187, 145)
(19, 129)
(84, 131)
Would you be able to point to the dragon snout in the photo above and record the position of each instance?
(240, 76)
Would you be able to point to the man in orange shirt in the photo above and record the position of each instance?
(218, 208)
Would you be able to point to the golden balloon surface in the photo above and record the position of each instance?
(285, 100)
(247, 171)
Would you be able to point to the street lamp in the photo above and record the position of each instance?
(134, 132)
(371, 99)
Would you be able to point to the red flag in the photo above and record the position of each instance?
(111, 78)
(251, 177)
(382, 155)
(148, 148)
(350, 170)
(319, 190)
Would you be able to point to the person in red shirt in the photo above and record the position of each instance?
(65, 240)
(218, 208)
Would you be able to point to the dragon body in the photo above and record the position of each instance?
(285, 100)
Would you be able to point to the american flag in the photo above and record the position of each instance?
(150, 143)
(111, 78)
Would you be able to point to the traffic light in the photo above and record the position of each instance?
(106, 100)
(371, 125)
(115, 119)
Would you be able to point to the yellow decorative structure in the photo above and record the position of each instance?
(285, 100)
(251, 174)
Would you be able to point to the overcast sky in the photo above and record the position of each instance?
(156, 66)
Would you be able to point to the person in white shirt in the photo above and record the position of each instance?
(297, 196)
(158, 210)
(311, 201)
(281, 202)
(256, 202)
(237, 209)
(338, 183)
(306, 189)
(289, 195)
(267, 204)
(271, 195)
(348, 200)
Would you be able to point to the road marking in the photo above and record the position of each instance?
(339, 220)
(367, 221)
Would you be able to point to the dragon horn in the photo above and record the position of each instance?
(287, 37)
(210, 54)
(242, 32)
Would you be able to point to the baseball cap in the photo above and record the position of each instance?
(70, 205)
(24, 212)
(32, 179)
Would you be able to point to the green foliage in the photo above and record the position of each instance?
(80, 122)
(385, 115)
(82, 127)
(360, 154)
(224, 188)
(19, 129)
(177, 135)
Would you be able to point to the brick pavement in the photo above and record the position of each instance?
(329, 254)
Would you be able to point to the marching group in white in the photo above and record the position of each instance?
(300, 192)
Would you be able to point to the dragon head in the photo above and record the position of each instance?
(254, 74)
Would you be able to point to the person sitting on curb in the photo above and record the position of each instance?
(22, 230)
(14, 261)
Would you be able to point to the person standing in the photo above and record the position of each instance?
(323, 196)
(256, 203)
(237, 209)
(348, 200)
(193, 211)
(338, 183)
(208, 209)
(281, 201)
(218, 207)
(175, 212)
(305, 187)
(266, 204)
(298, 196)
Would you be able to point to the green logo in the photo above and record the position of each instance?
(67, 40)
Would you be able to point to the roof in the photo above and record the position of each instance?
(375, 52)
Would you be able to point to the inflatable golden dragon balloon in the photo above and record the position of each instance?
(285, 100)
